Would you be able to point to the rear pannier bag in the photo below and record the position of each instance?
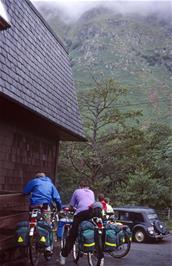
(116, 235)
(128, 233)
(111, 231)
(44, 234)
(125, 235)
(86, 238)
(22, 234)
(120, 239)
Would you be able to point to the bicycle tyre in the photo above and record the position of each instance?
(122, 250)
(76, 252)
(34, 252)
(65, 235)
(94, 258)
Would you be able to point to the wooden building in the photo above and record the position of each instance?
(38, 108)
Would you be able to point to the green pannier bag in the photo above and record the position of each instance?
(86, 237)
(44, 234)
(22, 234)
(120, 239)
(111, 231)
(128, 233)
(124, 235)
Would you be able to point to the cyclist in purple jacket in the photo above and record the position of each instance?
(81, 200)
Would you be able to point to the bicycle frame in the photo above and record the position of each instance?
(98, 255)
(98, 222)
(33, 221)
(64, 226)
(99, 234)
(34, 250)
(54, 219)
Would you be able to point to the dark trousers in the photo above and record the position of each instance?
(82, 216)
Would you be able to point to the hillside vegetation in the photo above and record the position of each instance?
(134, 50)
(122, 68)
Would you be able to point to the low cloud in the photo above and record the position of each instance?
(74, 9)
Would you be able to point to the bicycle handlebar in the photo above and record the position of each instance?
(67, 210)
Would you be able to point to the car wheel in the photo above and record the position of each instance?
(139, 236)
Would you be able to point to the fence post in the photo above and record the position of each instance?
(169, 213)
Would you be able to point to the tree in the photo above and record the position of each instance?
(111, 134)
(130, 164)
(144, 190)
(151, 183)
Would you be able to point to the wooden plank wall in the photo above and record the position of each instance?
(25, 149)
(22, 154)
(13, 208)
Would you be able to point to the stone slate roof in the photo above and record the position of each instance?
(35, 68)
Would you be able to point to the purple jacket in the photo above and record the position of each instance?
(81, 199)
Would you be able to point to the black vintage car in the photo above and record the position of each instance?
(143, 222)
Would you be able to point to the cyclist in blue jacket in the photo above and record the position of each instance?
(42, 191)
(42, 194)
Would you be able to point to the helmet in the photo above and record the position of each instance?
(97, 204)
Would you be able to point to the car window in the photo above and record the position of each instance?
(136, 217)
(124, 216)
(152, 216)
(116, 215)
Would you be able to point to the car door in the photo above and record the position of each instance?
(124, 218)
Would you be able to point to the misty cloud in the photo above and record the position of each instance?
(74, 9)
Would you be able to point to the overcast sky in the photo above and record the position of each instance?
(77, 7)
(98, 1)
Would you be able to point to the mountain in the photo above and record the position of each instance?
(134, 49)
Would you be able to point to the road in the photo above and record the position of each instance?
(148, 254)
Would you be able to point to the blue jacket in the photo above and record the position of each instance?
(42, 191)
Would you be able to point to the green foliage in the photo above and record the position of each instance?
(151, 183)
(129, 164)
(135, 50)
(142, 189)
(124, 148)
(169, 224)
(107, 129)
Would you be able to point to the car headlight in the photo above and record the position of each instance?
(151, 230)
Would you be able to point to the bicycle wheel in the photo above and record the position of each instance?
(92, 259)
(121, 250)
(64, 237)
(76, 252)
(34, 252)
(96, 258)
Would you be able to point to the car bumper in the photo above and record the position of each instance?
(158, 236)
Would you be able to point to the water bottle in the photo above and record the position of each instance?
(60, 228)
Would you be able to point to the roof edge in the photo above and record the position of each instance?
(47, 25)
(56, 125)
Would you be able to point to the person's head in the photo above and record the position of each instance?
(40, 175)
(96, 209)
(101, 197)
(97, 204)
(84, 183)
